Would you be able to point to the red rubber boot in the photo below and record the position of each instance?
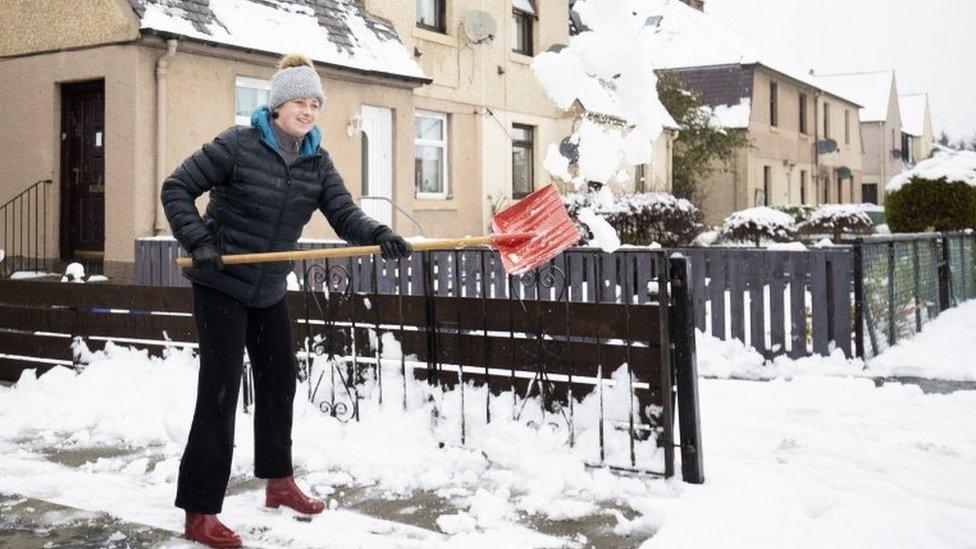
(208, 530)
(284, 491)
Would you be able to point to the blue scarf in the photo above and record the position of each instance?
(261, 119)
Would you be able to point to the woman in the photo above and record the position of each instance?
(265, 181)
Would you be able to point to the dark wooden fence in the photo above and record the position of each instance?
(556, 349)
(807, 296)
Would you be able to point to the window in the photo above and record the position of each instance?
(803, 113)
(523, 167)
(803, 186)
(431, 15)
(826, 188)
(767, 184)
(523, 14)
(826, 121)
(847, 127)
(869, 193)
(773, 104)
(249, 94)
(430, 154)
(840, 190)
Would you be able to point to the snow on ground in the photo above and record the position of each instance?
(945, 349)
(942, 350)
(804, 460)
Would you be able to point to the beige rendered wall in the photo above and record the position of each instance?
(50, 25)
(880, 165)
(725, 191)
(30, 144)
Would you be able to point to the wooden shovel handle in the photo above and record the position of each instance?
(348, 251)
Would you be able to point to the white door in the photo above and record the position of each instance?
(377, 162)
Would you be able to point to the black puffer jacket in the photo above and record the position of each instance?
(257, 204)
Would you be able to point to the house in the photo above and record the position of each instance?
(881, 125)
(804, 139)
(105, 101)
(433, 115)
(916, 127)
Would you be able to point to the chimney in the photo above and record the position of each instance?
(697, 4)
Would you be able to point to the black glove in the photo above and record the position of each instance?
(206, 256)
(393, 246)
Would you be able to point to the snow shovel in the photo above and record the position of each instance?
(527, 234)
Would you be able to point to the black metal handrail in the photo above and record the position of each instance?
(24, 228)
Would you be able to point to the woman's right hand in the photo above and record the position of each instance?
(206, 256)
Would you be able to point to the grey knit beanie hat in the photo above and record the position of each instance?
(296, 78)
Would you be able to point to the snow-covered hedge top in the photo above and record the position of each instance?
(760, 216)
(947, 164)
(629, 203)
(758, 225)
(830, 214)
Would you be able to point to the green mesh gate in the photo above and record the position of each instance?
(906, 280)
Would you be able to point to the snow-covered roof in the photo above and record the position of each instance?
(871, 90)
(685, 38)
(913, 109)
(949, 164)
(335, 32)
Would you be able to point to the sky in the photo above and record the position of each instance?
(929, 43)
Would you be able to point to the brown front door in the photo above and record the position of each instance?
(83, 170)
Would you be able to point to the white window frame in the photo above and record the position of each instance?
(443, 143)
(254, 84)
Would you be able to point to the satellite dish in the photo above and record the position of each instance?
(479, 26)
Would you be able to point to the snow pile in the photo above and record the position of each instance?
(947, 164)
(2, 255)
(362, 42)
(74, 272)
(757, 225)
(943, 350)
(608, 69)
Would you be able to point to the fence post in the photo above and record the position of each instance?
(682, 330)
(915, 272)
(891, 294)
(858, 299)
(945, 281)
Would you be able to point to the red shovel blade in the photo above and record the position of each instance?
(550, 230)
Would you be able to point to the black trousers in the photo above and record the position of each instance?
(224, 328)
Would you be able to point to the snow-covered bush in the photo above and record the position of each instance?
(938, 194)
(837, 220)
(642, 218)
(758, 225)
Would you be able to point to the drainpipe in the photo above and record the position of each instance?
(162, 65)
(815, 176)
(884, 160)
